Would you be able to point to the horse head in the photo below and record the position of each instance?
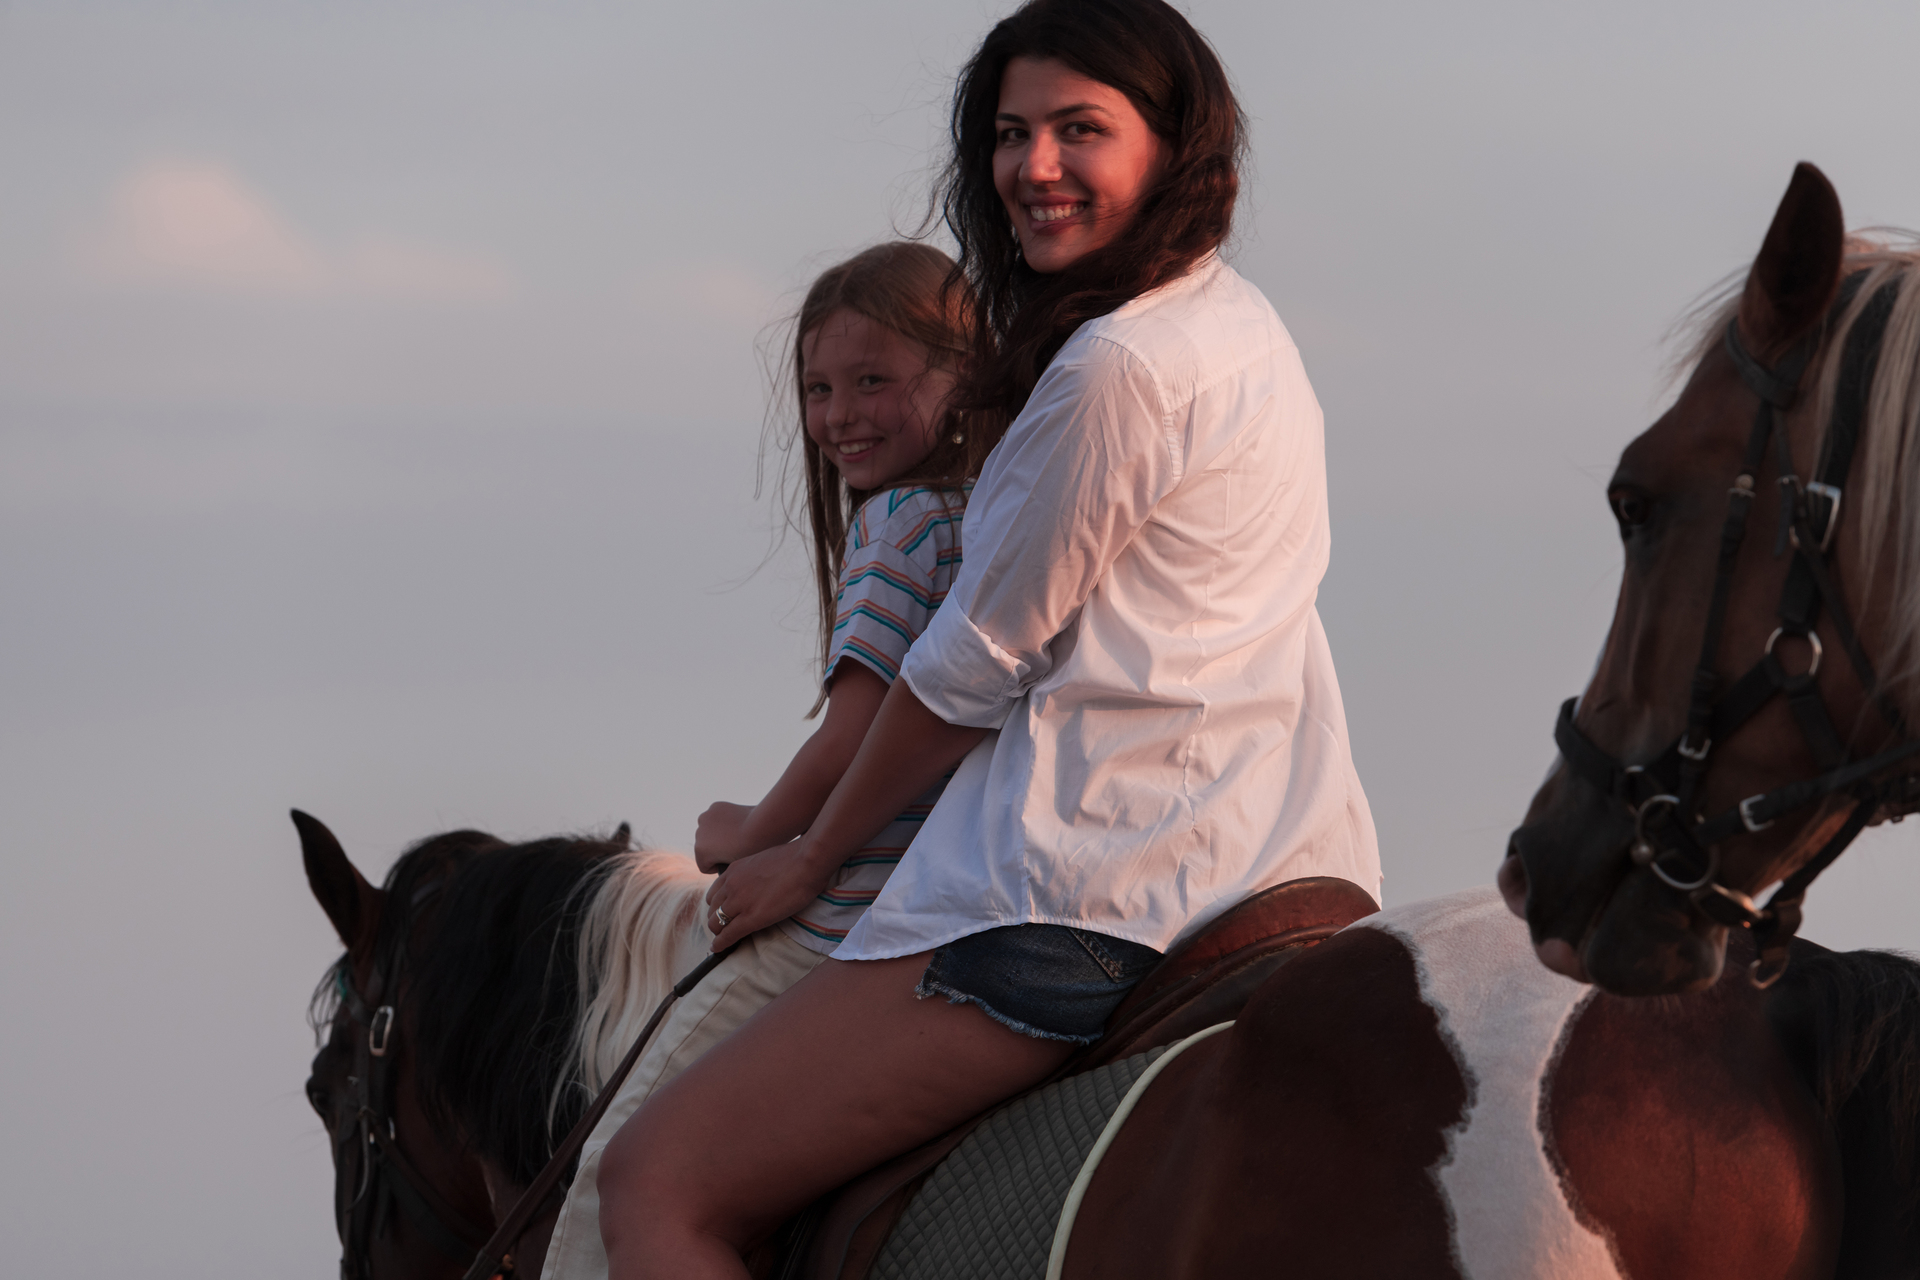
(409, 1199)
(1714, 751)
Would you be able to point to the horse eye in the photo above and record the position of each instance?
(316, 1097)
(1630, 508)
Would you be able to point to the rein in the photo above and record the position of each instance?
(1671, 837)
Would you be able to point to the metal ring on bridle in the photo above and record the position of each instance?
(1689, 886)
(1812, 639)
(1643, 850)
(1645, 854)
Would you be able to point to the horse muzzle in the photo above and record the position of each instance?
(1592, 914)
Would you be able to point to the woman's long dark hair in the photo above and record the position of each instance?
(1148, 51)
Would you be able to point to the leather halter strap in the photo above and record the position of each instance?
(386, 1177)
(1679, 844)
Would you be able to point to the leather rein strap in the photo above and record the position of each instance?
(1672, 838)
(495, 1257)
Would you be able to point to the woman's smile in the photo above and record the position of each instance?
(1073, 159)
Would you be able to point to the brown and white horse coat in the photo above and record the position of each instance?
(1418, 1096)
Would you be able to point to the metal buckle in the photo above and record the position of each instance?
(380, 1031)
(1691, 753)
(1832, 494)
(1812, 639)
(1746, 814)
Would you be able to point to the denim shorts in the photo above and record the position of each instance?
(1049, 981)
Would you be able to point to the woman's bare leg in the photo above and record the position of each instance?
(841, 1072)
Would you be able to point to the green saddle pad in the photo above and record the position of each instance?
(988, 1211)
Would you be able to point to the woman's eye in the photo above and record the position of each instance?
(1630, 508)
(1012, 137)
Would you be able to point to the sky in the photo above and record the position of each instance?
(382, 406)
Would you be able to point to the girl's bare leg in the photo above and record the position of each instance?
(841, 1072)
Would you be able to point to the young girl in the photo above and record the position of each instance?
(877, 346)
(1129, 670)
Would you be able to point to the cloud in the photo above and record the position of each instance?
(199, 225)
(385, 268)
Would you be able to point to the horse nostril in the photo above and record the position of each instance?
(1512, 879)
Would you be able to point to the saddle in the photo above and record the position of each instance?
(1204, 981)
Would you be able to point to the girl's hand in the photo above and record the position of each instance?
(761, 890)
(716, 837)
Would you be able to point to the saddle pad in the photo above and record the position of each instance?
(989, 1209)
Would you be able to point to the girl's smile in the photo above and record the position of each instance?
(873, 405)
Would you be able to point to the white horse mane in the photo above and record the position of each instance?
(641, 933)
(1884, 488)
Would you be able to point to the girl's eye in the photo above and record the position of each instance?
(1631, 508)
(871, 380)
(818, 389)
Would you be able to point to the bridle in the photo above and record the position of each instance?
(1672, 838)
(371, 1174)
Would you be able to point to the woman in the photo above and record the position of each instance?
(1128, 673)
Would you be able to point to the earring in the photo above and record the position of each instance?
(958, 438)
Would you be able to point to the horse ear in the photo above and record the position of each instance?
(622, 835)
(1794, 278)
(343, 893)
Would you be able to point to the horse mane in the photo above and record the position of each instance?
(1857, 1020)
(495, 993)
(406, 893)
(1884, 487)
(638, 937)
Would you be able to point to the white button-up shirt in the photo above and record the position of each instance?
(1135, 618)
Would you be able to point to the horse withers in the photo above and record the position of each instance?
(1750, 711)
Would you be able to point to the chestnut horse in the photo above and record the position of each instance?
(1751, 710)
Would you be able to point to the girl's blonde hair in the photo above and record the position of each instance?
(916, 291)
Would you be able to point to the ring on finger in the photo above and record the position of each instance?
(720, 917)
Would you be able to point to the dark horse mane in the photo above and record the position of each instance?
(489, 931)
(1851, 1019)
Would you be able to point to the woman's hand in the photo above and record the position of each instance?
(716, 837)
(761, 890)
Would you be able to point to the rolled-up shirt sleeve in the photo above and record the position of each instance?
(1077, 474)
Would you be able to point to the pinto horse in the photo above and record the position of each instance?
(1414, 1097)
(1755, 704)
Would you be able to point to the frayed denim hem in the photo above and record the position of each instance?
(927, 990)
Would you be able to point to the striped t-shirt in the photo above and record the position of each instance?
(903, 550)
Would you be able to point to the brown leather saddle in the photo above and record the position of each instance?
(1205, 980)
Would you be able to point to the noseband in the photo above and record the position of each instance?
(1672, 837)
(371, 1173)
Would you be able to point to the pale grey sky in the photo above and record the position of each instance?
(378, 420)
